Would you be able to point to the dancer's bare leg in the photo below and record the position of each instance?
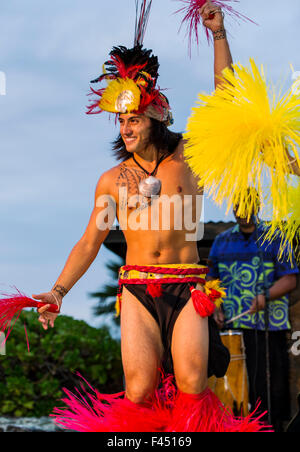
(142, 348)
(190, 342)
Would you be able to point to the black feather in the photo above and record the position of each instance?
(141, 19)
(131, 57)
(137, 55)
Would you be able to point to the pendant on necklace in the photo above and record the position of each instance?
(150, 187)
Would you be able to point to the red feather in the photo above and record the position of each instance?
(11, 307)
(205, 413)
(193, 21)
(126, 71)
(153, 98)
(90, 411)
(214, 295)
(168, 410)
(94, 108)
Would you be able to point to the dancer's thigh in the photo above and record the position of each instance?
(190, 342)
(141, 344)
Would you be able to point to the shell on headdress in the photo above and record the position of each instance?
(124, 99)
(120, 96)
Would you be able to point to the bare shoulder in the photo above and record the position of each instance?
(193, 178)
(106, 182)
(179, 151)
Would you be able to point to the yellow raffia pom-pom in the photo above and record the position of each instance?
(239, 136)
(215, 284)
(121, 96)
(287, 230)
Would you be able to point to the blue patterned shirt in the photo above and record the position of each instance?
(235, 261)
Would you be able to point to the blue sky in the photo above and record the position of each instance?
(52, 153)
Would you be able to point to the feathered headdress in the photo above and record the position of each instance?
(241, 136)
(131, 76)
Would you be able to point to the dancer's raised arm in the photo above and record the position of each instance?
(213, 19)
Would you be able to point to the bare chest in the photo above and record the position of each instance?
(175, 178)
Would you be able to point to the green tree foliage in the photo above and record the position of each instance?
(31, 383)
(107, 295)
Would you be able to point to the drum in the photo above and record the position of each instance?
(232, 389)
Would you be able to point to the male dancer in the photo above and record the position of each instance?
(169, 322)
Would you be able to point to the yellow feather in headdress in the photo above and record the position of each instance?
(239, 137)
(121, 96)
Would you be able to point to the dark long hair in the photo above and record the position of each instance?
(160, 136)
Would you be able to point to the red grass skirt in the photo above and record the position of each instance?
(169, 410)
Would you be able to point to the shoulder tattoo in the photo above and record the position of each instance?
(130, 178)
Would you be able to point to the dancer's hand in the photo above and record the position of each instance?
(47, 317)
(212, 16)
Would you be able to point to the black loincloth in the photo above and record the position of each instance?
(166, 309)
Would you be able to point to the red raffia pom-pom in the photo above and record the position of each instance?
(155, 290)
(202, 304)
(193, 21)
(11, 307)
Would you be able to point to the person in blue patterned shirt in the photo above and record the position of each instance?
(235, 259)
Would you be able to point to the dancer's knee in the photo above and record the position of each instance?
(140, 386)
(192, 382)
(140, 390)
